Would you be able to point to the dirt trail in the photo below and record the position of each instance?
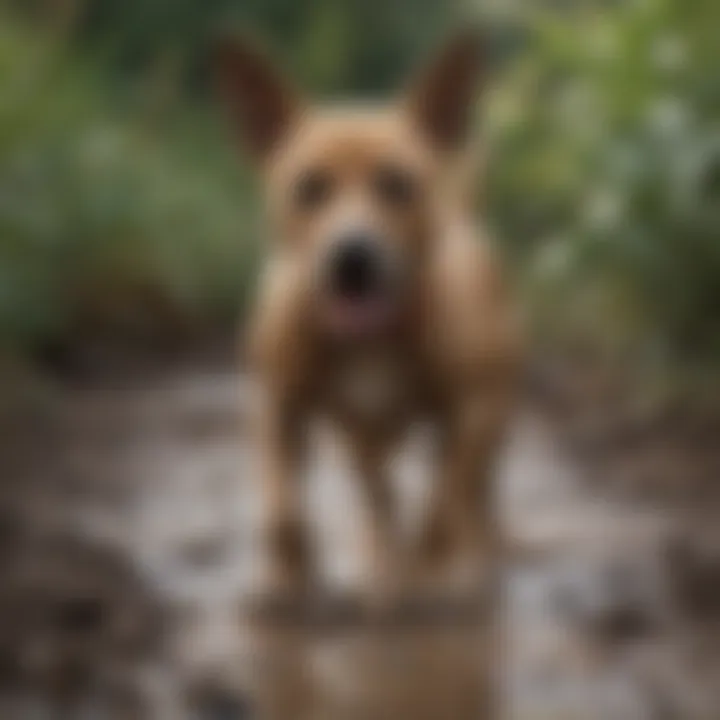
(158, 473)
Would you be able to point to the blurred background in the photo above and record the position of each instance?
(128, 247)
(126, 217)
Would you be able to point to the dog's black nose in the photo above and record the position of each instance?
(355, 266)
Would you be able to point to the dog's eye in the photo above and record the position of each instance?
(395, 185)
(312, 189)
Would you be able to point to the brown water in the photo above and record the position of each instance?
(130, 519)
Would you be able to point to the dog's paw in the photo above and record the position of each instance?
(280, 589)
(383, 591)
(278, 598)
(465, 576)
(386, 564)
(384, 581)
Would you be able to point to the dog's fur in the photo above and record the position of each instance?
(451, 355)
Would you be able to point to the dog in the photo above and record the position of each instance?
(380, 305)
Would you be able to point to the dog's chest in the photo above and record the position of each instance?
(371, 386)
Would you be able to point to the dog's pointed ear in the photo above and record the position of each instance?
(441, 101)
(262, 106)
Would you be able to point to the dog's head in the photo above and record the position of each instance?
(354, 192)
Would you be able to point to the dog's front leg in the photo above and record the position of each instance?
(461, 530)
(281, 446)
(381, 532)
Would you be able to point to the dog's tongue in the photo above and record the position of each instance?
(359, 317)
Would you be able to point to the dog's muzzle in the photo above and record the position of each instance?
(360, 284)
(356, 268)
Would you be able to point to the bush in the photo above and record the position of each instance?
(607, 177)
(106, 222)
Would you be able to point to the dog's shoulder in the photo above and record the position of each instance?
(276, 333)
(473, 318)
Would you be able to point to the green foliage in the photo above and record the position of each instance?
(330, 45)
(604, 181)
(606, 176)
(122, 210)
(107, 223)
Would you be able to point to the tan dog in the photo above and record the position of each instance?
(379, 306)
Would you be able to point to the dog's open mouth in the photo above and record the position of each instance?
(360, 316)
(359, 288)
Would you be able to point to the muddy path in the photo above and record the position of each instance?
(128, 523)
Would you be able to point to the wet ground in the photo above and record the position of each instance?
(128, 518)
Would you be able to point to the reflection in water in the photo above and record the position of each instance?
(433, 665)
(142, 501)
